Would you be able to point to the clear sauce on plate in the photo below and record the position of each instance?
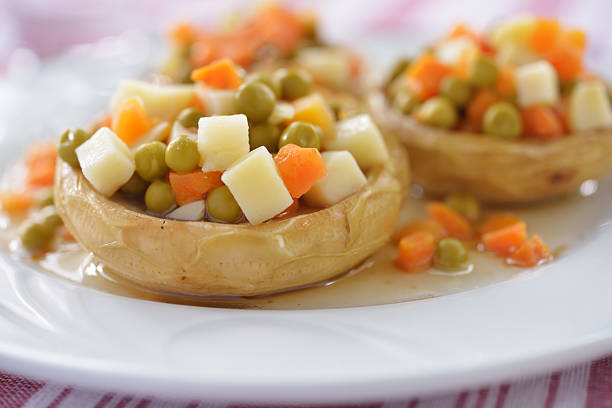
(376, 281)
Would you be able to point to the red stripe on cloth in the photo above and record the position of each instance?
(144, 403)
(104, 400)
(61, 396)
(460, 403)
(124, 401)
(16, 391)
(501, 395)
(599, 390)
(553, 387)
(413, 403)
(192, 405)
(367, 405)
(482, 397)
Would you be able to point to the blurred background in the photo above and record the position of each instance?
(66, 56)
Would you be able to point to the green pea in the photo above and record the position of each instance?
(503, 120)
(456, 90)
(438, 111)
(482, 72)
(255, 100)
(221, 206)
(465, 204)
(46, 198)
(405, 101)
(182, 154)
(35, 235)
(302, 134)
(450, 255)
(49, 217)
(135, 185)
(294, 83)
(264, 135)
(189, 117)
(398, 68)
(69, 141)
(150, 161)
(159, 197)
(269, 80)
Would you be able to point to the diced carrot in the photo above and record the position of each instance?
(507, 240)
(300, 168)
(16, 202)
(424, 76)
(355, 66)
(191, 186)
(131, 121)
(505, 82)
(497, 222)
(106, 122)
(479, 104)
(278, 26)
(40, 161)
(545, 34)
(221, 74)
(541, 122)
(531, 253)
(430, 226)
(197, 103)
(455, 224)
(566, 58)
(415, 251)
(462, 30)
(577, 38)
(203, 51)
(184, 33)
(289, 211)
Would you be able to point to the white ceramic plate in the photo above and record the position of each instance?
(52, 328)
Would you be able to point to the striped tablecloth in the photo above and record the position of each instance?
(25, 23)
(587, 385)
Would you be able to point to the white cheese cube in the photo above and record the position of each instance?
(222, 140)
(283, 111)
(589, 107)
(163, 102)
(344, 177)
(360, 136)
(189, 212)
(217, 101)
(537, 84)
(106, 161)
(450, 52)
(327, 65)
(257, 187)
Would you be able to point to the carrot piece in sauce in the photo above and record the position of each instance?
(497, 222)
(415, 251)
(531, 253)
(191, 186)
(431, 226)
(505, 241)
(456, 225)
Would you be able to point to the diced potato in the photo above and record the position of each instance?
(344, 177)
(589, 107)
(537, 84)
(222, 140)
(257, 187)
(283, 111)
(313, 109)
(193, 211)
(512, 54)
(106, 161)
(360, 136)
(327, 65)
(450, 52)
(216, 101)
(162, 102)
(516, 30)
